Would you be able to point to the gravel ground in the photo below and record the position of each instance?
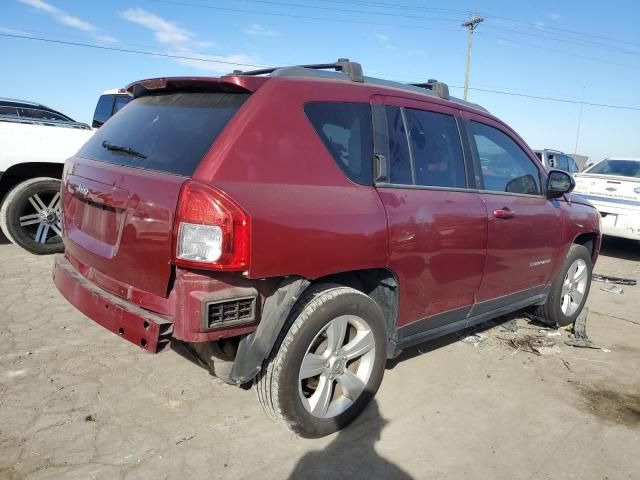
(77, 402)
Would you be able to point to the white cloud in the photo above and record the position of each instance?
(68, 19)
(182, 42)
(12, 31)
(164, 31)
(553, 16)
(381, 37)
(256, 29)
(211, 63)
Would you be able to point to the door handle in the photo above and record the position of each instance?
(504, 213)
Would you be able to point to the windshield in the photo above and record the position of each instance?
(167, 132)
(622, 168)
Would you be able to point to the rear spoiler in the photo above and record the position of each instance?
(226, 84)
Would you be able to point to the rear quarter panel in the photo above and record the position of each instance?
(307, 217)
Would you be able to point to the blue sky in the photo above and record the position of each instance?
(568, 49)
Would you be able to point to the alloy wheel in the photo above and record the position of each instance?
(574, 287)
(40, 217)
(337, 366)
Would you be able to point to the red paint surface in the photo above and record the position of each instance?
(446, 248)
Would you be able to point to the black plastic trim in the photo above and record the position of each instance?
(501, 306)
(256, 347)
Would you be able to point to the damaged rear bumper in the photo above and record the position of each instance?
(147, 330)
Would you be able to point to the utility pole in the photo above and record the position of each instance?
(471, 26)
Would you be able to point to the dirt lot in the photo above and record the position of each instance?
(76, 402)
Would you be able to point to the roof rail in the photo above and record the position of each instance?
(353, 70)
(439, 88)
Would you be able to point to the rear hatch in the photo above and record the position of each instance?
(122, 188)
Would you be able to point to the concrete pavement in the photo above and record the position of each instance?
(77, 402)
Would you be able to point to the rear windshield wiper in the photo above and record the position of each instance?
(120, 148)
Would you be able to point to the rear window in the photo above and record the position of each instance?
(622, 168)
(345, 129)
(167, 132)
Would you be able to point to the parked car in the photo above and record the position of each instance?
(558, 160)
(297, 227)
(613, 187)
(35, 140)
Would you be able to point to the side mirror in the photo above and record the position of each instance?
(559, 183)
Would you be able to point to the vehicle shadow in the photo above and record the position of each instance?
(351, 454)
(4, 240)
(622, 248)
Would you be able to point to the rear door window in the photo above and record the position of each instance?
(9, 111)
(562, 163)
(167, 132)
(345, 129)
(505, 166)
(38, 114)
(573, 166)
(400, 172)
(436, 149)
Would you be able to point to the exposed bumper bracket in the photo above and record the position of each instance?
(137, 325)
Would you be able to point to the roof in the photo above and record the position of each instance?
(549, 150)
(343, 70)
(23, 103)
(115, 91)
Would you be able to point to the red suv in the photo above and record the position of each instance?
(297, 227)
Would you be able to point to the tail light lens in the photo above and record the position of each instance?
(211, 230)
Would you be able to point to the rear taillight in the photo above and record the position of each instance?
(211, 230)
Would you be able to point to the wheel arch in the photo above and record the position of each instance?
(20, 172)
(589, 240)
(379, 283)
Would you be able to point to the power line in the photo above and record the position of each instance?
(183, 57)
(287, 15)
(568, 39)
(523, 23)
(558, 36)
(334, 9)
(562, 52)
(360, 22)
(556, 29)
(126, 50)
(552, 99)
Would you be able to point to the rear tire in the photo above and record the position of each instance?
(30, 216)
(327, 363)
(569, 290)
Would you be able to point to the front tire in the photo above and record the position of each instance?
(30, 216)
(328, 364)
(569, 290)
